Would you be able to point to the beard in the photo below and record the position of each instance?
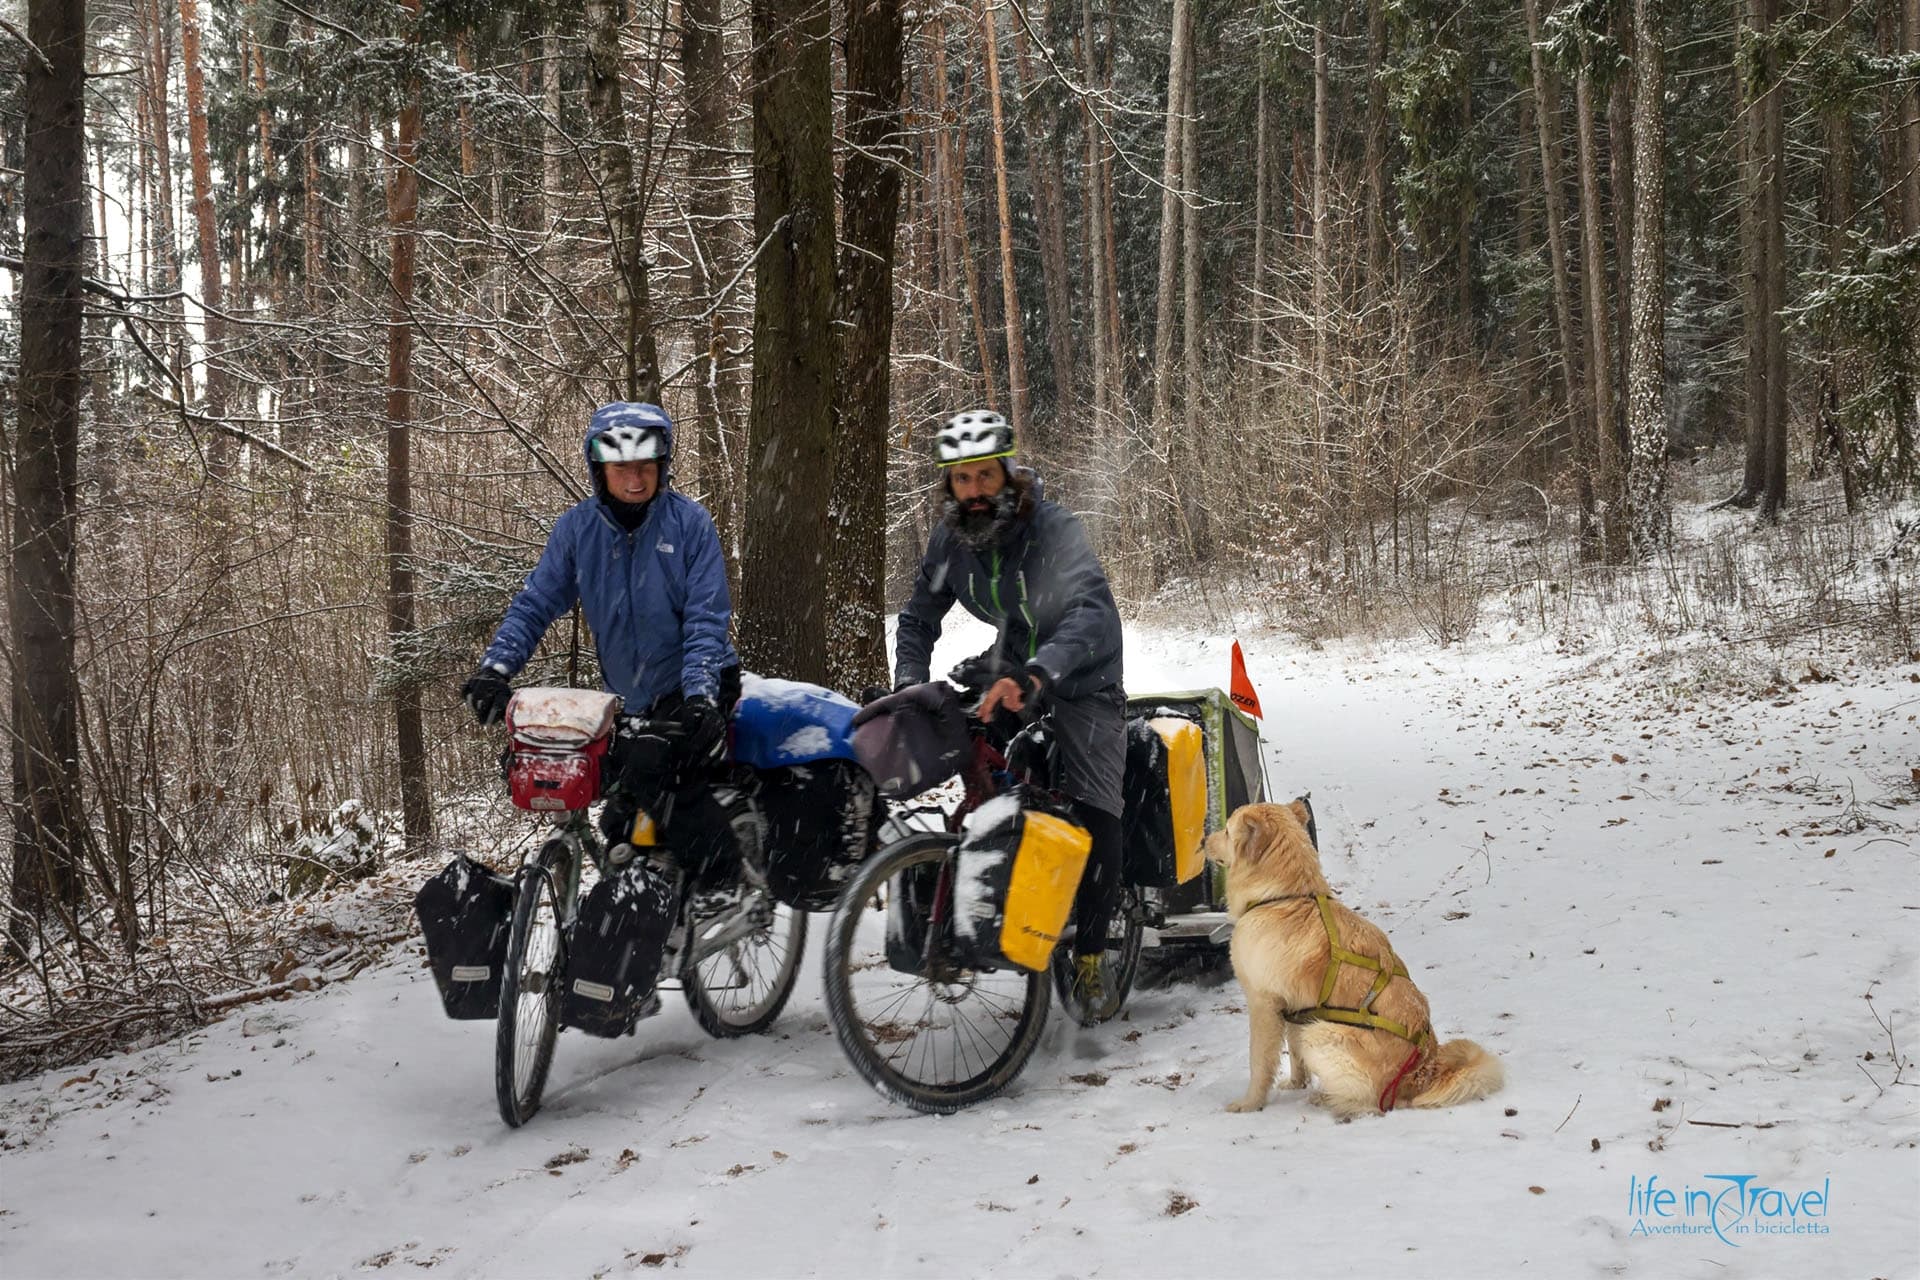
(981, 522)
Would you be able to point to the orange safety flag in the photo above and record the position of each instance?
(1241, 688)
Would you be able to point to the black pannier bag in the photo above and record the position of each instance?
(910, 897)
(911, 740)
(614, 951)
(820, 823)
(1147, 857)
(1165, 815)
(465, 914)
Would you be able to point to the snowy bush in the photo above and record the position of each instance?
(346, 848)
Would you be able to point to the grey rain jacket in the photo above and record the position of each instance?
(1041, 588)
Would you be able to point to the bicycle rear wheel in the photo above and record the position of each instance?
(937, 1041)
(529, 990)
(1119, 963)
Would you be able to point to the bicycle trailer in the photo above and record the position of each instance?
(1193, 757)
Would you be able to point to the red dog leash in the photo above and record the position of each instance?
(1391, 1094)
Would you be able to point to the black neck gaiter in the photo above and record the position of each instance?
(628, 515)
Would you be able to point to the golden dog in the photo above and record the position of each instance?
(1366, 1036)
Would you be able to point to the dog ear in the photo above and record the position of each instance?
(1248, 832)
(1300, 811)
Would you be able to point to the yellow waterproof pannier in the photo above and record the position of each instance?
(1166, 801)
(1015, 875)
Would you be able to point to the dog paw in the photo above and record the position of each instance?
(1246, 1104)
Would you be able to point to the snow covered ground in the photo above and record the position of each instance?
(1677, 896)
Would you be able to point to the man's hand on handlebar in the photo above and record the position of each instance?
(1016, 694)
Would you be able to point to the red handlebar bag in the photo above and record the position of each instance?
(560, 739)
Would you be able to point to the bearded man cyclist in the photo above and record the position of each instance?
(1022, 563)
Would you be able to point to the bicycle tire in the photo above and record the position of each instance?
(529, 1006)
(888, 1067)
(725, 1020)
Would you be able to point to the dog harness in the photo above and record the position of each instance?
(1364, 1016)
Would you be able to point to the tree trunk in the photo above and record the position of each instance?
(625, 225)
(1773, 213)
(1840, 372)
(552, 140)
(1186, 455)
(203, 215)
(1599, 361)
(359, 192)
(1009, 291)
(1095, 230)
(166, 235)
(716, 257)
(313, 245)
(1888, 23)
(870, 205)
(782, 624)
(1170, 183)
(403, 211)
(469, 154)
(1646, 357)
(1573, 395)
(1910, 121)
(947, 232)
(1048, 182)
(221, 448)
(1322, 273)
(1191, 326)
(43, 739)
(1620, 148)
(1753, 256)
(1257, 278)
(1376, 143)
(1764, 479)
(276, 254)
(1119, 362)
(963, 245)
(1463, 226)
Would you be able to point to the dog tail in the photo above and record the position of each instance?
(1463, 1072)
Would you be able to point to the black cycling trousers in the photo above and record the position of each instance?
(1099, 883)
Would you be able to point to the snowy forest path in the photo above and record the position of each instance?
(1612, 873)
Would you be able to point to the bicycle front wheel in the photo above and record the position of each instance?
(938, 1040)
(741, 989)
(529, 990)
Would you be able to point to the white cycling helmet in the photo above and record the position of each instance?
(973, 436)
(630, 444)
(623, 432)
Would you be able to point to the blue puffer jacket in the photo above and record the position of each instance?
(656, 598)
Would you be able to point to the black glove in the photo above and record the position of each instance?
(705, 742)
(875, 692)
(486, 694)
(977, 673)
(1034, 687)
